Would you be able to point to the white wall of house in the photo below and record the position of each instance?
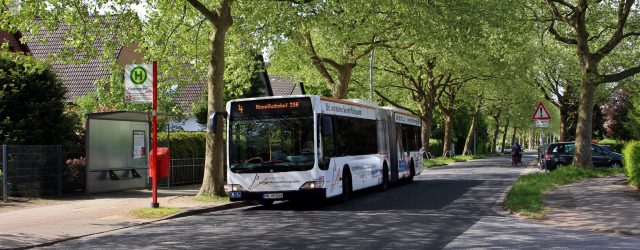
(189, 124)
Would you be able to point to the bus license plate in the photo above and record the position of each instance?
(272, 196)
(235, 195)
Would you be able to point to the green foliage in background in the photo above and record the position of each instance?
(183, 144)
(32, 103)
(435, 147)
(631, 154)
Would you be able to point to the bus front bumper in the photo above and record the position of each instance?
(313, 194)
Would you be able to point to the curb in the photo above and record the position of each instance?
(188, 212)
(497, 206)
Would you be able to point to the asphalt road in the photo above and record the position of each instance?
(447, 207)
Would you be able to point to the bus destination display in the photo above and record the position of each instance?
(270, 107)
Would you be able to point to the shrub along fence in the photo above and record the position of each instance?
(631, 153)
(184, 144)
(187, 156)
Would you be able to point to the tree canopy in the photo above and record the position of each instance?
(32, 104)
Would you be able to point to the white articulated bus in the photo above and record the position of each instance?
(299, 147)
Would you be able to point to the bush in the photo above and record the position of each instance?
(631, 154)
(32, 103)
(184, 144)
(435, 147)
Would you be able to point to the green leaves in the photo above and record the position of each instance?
(32, 103)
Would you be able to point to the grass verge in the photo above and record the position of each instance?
(525, 197)
(211, 198)
(441, 161)
(154, 213)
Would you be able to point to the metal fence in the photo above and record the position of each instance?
(185, 171)
(42, 170)
(57, 170)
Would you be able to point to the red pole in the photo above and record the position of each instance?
(154, 133)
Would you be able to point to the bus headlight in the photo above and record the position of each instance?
(311, 185)
(236, 188)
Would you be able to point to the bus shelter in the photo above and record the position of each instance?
(117, 151)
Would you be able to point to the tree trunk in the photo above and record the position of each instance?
(213, 181)
(448, 130)
(582, 156)
(341, 89)
(504, 135)
(425, 132)
(496, 132)
(513, 137)
(564, 119)
(472, 130)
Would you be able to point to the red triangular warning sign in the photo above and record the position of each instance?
(541, 113)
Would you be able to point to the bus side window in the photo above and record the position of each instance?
(327, 129)
(326, 132)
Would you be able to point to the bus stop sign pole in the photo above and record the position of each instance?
(154, 133)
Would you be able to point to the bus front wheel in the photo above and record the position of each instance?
(346, 185)
(266, 203)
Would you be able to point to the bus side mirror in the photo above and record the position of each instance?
(212, 123)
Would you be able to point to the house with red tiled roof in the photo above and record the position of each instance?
(79, 78)
(283, 86)
(13, 41)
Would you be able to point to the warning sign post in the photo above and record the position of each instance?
(541, 117)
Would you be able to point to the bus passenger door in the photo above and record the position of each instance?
(393, 152)
(403, 165)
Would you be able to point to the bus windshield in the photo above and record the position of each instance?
(271, 144)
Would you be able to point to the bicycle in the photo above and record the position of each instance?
(516, 159)
(427, 155)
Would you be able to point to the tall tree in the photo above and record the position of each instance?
(447, 104)
(555, 77)
(336, 35)
(220, 19)
(474, 124)
(575, 23)
(424, 84)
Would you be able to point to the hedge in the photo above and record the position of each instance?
(184, 144)
(435, 147)
(631, 153)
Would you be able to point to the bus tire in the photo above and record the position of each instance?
(266, 203)
(412, 172)
(346, 185)
(385, 178)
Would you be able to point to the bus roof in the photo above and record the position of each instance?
(353, 102)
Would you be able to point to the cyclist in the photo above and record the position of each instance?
(516, 154)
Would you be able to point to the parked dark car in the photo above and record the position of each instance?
(559, 154)
(609, 148)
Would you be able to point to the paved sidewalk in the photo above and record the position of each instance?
(601, 204)
(42, 222)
